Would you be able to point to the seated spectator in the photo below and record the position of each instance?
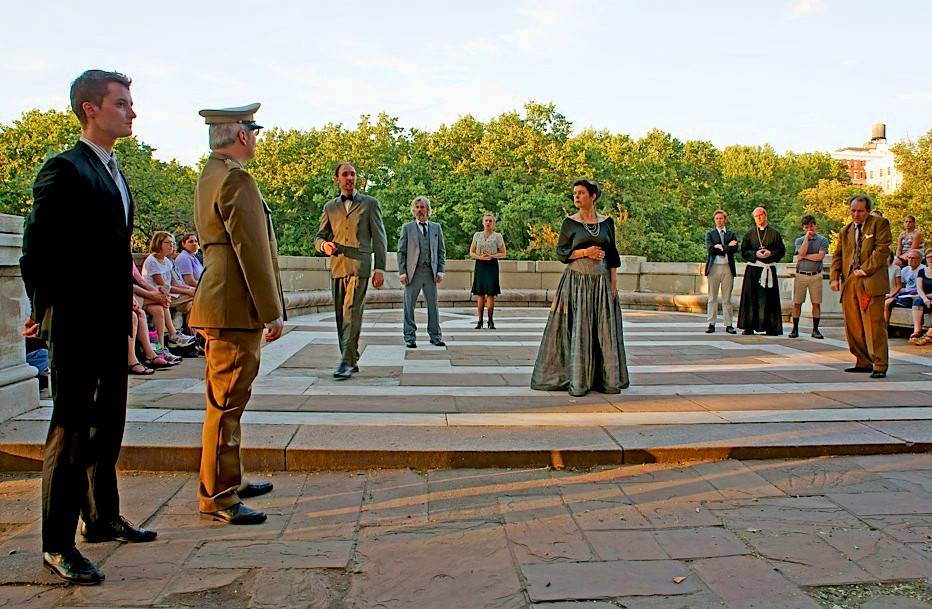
(905, 292)
(922, 304)
(909, 239)
(37, 356)
(186, 263)
(159, 269)
(140, 334)
(153, 299)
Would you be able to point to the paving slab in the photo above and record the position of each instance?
(464, 564)
(699, 542)
(605, 580)
(743, 582)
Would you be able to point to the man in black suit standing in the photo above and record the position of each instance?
(721, 244)
(79, 191)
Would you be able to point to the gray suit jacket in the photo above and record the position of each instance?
(409, 249)
(357, 233)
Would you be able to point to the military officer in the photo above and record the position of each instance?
(239, 294)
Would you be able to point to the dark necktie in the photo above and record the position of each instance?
(423, 228)
(856, 264)
(723, 238)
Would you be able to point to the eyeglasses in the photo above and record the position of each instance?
(255, 132)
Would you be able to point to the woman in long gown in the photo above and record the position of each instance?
(582, 348)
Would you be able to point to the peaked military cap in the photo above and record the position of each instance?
(240, 114)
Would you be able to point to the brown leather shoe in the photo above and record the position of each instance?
(119, 530)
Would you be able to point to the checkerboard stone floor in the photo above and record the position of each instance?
(692, 395)
(791, 532)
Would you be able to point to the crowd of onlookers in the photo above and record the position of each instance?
(163, 293)
(910, 287)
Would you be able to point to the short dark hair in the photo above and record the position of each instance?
(589, 185)
(860, 197)
(91, 86)
(807, 219)
(336, 172)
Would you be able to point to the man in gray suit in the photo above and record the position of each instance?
(422, 258)
(351, 230)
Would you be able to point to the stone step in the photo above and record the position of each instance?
(289, 446)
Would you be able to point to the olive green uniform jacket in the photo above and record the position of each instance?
(240, 287)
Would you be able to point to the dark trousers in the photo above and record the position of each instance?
(83, 445)
(349, 301)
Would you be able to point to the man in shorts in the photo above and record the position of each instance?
(810, 251)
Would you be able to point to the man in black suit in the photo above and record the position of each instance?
(81, 194)
(721, 244)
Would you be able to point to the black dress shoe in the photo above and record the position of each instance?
(410, 344)
(793, 334)
(731, 330)
(343, 372)
(355, 369)
(879, 374)
(119, 530)
(817, 334)
(710, 329)
(236, 514)
(748, 332)
(254, 489)
(479, 325)
(491, 325)
(438, 343)
(859, 369)
(72, 567)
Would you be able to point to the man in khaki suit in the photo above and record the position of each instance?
(239, 293)
(859, 270)
(351, 230)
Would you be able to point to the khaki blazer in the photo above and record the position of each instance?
(875, 254)
(357, 233)
(240, 287)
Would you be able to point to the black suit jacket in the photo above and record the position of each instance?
(713, 238)
(77, 255)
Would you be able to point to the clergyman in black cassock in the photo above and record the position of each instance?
(759, 309)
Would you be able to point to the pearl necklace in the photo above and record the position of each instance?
(592, 229)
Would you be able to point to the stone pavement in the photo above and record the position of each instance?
(840, 532)
(692, 396)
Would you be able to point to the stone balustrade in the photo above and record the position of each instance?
(19, 389)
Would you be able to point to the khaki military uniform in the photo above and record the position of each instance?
(239, 291)
(865, 326)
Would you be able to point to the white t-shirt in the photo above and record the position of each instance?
(152, 266)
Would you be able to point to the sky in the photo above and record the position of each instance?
(801, 75)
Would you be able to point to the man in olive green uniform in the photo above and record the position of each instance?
(351, 230)
(239, 293)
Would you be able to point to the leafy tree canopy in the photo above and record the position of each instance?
(519, 166)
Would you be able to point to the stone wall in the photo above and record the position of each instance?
(674, 285)
(19, 389)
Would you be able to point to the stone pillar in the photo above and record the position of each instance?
(19, 389)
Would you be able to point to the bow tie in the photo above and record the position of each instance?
(344, 198)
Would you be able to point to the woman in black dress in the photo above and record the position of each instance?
(582, 347)
(487, 247)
